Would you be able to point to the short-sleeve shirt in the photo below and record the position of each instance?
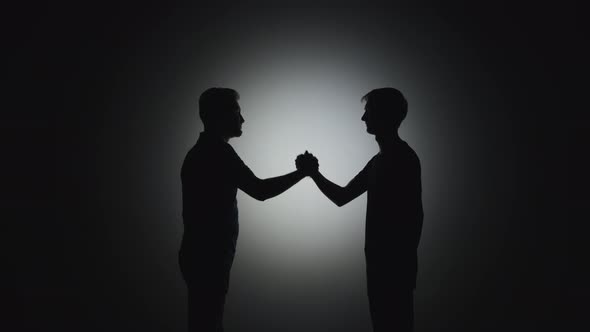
(394, 206)
(211, 174)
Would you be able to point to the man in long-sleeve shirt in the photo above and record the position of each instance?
(211, 174)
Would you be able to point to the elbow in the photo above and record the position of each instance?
(340, 202)
(258, 191)
(262, 198)
(257, 195)
(343, 199)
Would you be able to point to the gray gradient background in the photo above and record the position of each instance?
(489, 255)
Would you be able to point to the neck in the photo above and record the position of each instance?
(216, 135)
(387, 141)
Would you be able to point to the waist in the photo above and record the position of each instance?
(210, 243)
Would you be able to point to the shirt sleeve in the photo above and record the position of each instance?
(243, 176)
(359, 184)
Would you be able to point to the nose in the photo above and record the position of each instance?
(242, 119)
(364, 117)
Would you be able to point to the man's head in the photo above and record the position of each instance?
(220, 112)
(385, 109)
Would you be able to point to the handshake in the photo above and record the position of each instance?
(307, 164)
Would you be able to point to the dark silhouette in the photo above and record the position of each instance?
(394, 211)
(211, 174)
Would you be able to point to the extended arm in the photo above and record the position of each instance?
(262, 189)
(338, 195)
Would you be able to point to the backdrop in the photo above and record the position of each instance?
(482, 91)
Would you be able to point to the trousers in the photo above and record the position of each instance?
(390, 289)
(207, 282)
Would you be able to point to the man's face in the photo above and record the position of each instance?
(233, 122)
(379, 121)
(369, 118)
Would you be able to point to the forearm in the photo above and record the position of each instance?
(334, 192)
(272, 187)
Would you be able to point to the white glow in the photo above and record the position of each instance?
(292, 103)
(306, 95)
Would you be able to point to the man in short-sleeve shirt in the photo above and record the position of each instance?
(394, 211)
(211, 174)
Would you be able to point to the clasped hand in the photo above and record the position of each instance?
(307, 163)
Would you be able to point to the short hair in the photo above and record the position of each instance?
(389, 102)
(214, 100)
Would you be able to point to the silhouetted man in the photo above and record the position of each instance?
(211, 174)
(394, 211)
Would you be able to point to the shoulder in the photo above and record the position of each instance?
(230, 152)
(412, 159)
(410, 154)
(191, 154)
(233, 159)
(371, 162)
